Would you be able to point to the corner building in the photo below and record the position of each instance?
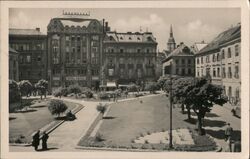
(220, 59)
(74, 51)
(129, 57)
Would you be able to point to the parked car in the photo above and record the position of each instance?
(236, 111)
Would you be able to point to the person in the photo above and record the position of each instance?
(237, 145)
(229, 145)
(45, 137)
(36, 140)
(228, 131)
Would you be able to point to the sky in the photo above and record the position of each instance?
(190, 25)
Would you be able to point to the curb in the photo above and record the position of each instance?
(51, 129)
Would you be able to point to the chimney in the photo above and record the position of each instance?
(107, 28)
(38, 29)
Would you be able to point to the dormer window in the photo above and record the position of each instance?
(110, 38)
(138, 38)
(130, 38)
(121, 38)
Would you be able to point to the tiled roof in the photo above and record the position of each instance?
(130, 37)
(70, 22)
(222, 38)
(181, 50)
(13, 31)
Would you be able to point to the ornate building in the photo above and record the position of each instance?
(74, 51)
(32, 49)
(13, 64)
(180, 62)
(220, 59)
(129, 57)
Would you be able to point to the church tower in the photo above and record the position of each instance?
(171, 42)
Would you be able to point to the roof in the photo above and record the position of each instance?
(182, 50)
(14, 31)
(12, 50)
(225, 36)
(198, 46)
(72, 22)
(130, 37)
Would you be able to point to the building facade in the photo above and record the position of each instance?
(13, 65)
(31, 45)
(75, 46)
(220, 59)
(129, 57)
(179, 62)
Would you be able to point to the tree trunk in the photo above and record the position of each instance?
(182, 108)
(188, 112)
(200, 130)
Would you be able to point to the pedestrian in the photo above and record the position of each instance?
(228, 131)
(45, 137)
(229, 145)
(237, 145)
(36, 140)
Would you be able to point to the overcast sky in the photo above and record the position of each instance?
(189, 25)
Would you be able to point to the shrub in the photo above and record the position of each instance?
(133, 88)
(14, 93)
(88, 94)
(57, 107)
(103, 95)
(99, 137)
(74, 89)
(151, 87)
(101, 108)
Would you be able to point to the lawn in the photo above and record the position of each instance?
(128, 120)
(25, 123)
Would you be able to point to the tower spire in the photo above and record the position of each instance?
(171, 31)
(171, 42)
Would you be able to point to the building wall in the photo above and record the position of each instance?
(219, 66)
(32, 56)
(124, 63)
(75, 56)
(181, 65)
(13, 66)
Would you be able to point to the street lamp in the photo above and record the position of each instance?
(170, 103)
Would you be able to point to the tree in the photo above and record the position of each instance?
(133, 88)
(74, 89)
(14, 93)
(25, 87)
(151, 87)
(101, 108)
(201, 95)
(42, 86)
(57, 107)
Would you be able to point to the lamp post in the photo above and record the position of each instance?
(170, 104)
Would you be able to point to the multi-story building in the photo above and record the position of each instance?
(13, 65)
(75, 45)
(179, 62)
(220, 59)
(32, 49)
(129, 57)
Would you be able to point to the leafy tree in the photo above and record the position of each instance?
(25, 87)
(201, 95)
(101, 108)
(151, 87)
(42, 86)
(133, 88)
(75, 89)
(57, 107)
(14, 93)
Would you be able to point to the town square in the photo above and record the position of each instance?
(125, 79)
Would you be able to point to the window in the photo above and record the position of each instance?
(223, 54)
(237, 93)
(111, 72)
(198, 61)
(121, 50)
(138, 50)
(28, 59)
(229, 53)
(198, 73)
(218, 72)
(182, 61)
(189, 71)
(207, 59)
(78, 38)
(201, 72)
(214, 72)
(218, 57)
(147, 50)
(183, 72)
(177, 71)
(223, 72)
(201, 60)
(229, 72)
(229, 92)
(189, 61)
(207, 71)
(121, 60)
(236, 73)
(214, 59)
(236, 50)
(38, 58)
(78, 48)
(67, 38)
(177, 61)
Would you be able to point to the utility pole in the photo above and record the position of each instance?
(170, 103)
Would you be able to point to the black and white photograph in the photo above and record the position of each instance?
(125, 79)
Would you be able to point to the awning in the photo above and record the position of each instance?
(123, 85)
(111, 84)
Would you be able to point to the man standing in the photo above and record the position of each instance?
(36, 139)
(228, 131)
(44, 140)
